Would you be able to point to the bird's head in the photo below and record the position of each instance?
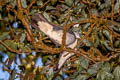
(38, 21)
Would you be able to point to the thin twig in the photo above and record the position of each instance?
(65, 30)
(10, 49)
(112, 13)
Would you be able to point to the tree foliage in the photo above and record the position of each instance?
(96, 21)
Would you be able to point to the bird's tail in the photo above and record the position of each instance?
(65, 55)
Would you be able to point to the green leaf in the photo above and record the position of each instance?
(4, 35)
(47, 16)
(11, 19)
(50, 8)
(97, 66)
(23, 47)
(0, 10)
(44, 58)
(97, 40)
(103, 75)
(20, 45)
(102, 6)
(22, 38)
(69, 2)
(86, 26)
(0, 15)
(81, 77)
(117, 43)
(24, 3)
(93, 70)
(84, 62)
(107, 46)
(11, 55)
(117, 29)
(40, 77)
(107, 3)
(116, 73)
(64, 9)
(53, 2)
(106, 67)
(75, 29)
(50, 74)
(2, 48)
(26, 48)
(39, 2)
(13, 3)
(107, 34)
(11, 44)
(77, 64)
(116, 7)
(87, 43)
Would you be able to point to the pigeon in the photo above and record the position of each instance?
(55, 33)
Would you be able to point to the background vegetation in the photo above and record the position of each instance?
(96, 21)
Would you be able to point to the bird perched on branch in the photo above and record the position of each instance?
(55, 33)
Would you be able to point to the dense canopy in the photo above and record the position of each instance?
(34, 55)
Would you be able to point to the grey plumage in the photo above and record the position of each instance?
(55, 33)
